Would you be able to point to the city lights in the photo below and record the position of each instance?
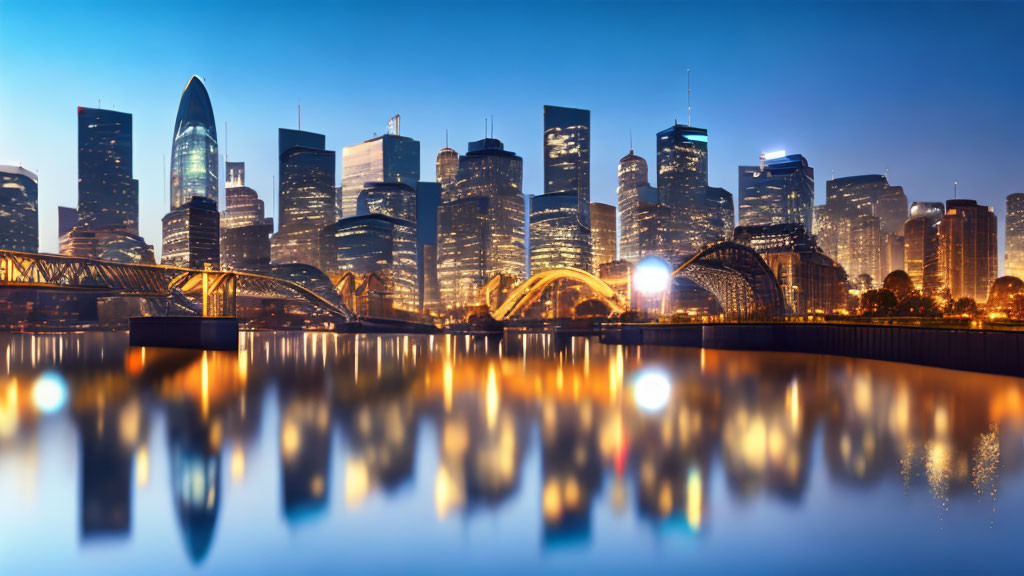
(49, 393)
(652, 276)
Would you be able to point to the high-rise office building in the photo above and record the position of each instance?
(244, 229)
(721, 214)
(376, 247)
(968, 249)
(19, 209)
(481, 230)
(108, 196)
(191, 230)
(632, 184)
(602, 232)
(192, 234)
(1013, 262)
(385, 225)
(843, 231)
(560, 218)
(652, 219)
(194, 160)
(892, 210)
(682, 187)
(777, 191)
(387, 158)
(446, 170)
(921, 246)
(428, 200)
(307, 197)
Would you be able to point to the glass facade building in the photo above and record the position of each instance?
(19, 209)
(560, 236)
(377, 245)
(632, 178)
(721, 214)
(192, 234)
(306, 197)
(428, 200)
(194, 160)
(602, 233)
(921, 246)
(682, 187)
(777, 191)
(388, 158)
(1013, 262)
(968, 250)
(858, 212)
(446, 170)
(244, 230)
(108, 196)
(481, 229)
(234, 174)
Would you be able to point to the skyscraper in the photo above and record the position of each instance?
(481, 228)
(192, 234)
(1013, 263)
(194, 161)
(67, 218)
(428, 200)
(307, 197)
(843, 232)
(721, 214)
(560, 218)
(968, 249)
(921, 246)
(682, 187)
(387, 158)
(602, 232)
(446, 169)
(777, 191)
(108, 196)
(632, 184)
(19, 209)
(191, 230)
(244, 228)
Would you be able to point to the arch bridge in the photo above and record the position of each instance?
(734, 274)
(209, 292)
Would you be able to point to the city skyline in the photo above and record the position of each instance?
(835, 127)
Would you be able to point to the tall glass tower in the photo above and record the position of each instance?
(682, 187)
(389, 158)
(560, 219)
(194, 149)
(1013, 261)
(108, 196)
(307, 196)
(19, 209)
(779, 190)
(632, 178)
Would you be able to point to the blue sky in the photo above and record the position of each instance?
(931, 92)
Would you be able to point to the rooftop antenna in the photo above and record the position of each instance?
(485, 127)
(300, 114)
(492, 126)
(630, 140)
(955, 186)
(689, 107)
(445, 137)
(99, 102)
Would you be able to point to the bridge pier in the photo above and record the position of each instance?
(204, 332)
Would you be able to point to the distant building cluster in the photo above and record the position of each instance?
(389, 240)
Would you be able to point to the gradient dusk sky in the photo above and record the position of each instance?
(931, 92)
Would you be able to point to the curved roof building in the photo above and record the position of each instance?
(194, 150)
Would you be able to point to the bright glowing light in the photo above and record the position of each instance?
(50, 392)
(774, 155)
(651, 276)
(651, 391)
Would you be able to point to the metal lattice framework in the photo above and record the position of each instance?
(738, 278)
(526, 294)
(216, 288)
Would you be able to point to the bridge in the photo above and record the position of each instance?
(734, 274)
(205, 292)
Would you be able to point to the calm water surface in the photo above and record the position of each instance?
(323, 453)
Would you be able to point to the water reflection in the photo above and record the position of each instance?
(641, 432)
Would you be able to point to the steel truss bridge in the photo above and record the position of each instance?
(734, 274)
(206, 292)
